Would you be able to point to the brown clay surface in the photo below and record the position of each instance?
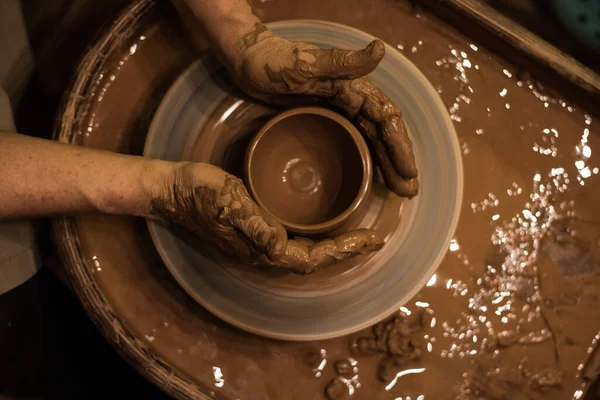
(223, 141)
(306, 169)
(518, 291)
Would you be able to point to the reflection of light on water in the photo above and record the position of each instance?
(519, 239)
(218, 374)
(318, 371)
(230, 110)
(459, 60)
(557, 171)
(132, 49)
(322, 365)
(419, 397)
(578, 394)
(421, 304)
(584, 152)
(454, 246)
(547, 145)
(432, 280)
(334, 388)
(401, 374)
(515, 191)
(96, 264)
(405, 310)
(491, 202)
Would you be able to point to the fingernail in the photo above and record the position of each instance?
(377, 49)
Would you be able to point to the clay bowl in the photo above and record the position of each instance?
(311, 169)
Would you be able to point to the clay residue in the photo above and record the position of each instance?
(345, 383)
(498, 156)
(251, 38)
(494, 380)
(395, 339)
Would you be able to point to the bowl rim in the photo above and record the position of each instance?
(361, 146)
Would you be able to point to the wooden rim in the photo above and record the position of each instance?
(66, 236)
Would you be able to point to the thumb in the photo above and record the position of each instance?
(342, 64)
(266, 235)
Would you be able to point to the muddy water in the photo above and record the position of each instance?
(516, 299)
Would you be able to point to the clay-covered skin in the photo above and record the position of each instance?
(305, 256)
(216, 207)
(276, 70)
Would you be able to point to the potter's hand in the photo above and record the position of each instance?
(276, 70)
(217, 207)
(304, 256)
(286, 73)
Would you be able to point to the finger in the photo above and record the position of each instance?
(266, 234)
(399, 147)
(380, 110)
(278, 241)
(340, 64)
(261, 231)
(305, 256)
(394, 182)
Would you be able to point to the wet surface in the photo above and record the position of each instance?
(510, 313)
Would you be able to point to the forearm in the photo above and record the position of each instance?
(44, 178)
(229, 25)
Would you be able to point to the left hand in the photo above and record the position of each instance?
(278, 71)
(217, 208)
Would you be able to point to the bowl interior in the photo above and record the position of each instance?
(305, 168)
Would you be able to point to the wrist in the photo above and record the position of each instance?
(138, 182)
(156, 186)
(229, 26)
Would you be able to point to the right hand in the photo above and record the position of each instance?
(278, 71)
(216, 206)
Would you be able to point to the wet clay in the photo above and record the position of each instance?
(277, 71)
(523, 264)
(272, 69)
(216, 207)
(224, 140)
(306, 169)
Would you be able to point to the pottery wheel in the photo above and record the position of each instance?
(528, 154)
(202, 119)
